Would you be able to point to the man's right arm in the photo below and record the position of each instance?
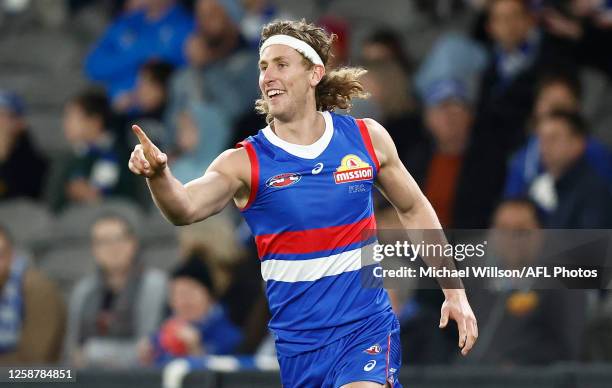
(227, 177)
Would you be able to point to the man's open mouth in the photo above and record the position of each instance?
(274, 93)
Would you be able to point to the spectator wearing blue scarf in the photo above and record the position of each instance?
(556, 91)
(520, 53)
(198, 325)
(32, 312)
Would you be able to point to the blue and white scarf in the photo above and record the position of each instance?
(510, 64)
(11, 306)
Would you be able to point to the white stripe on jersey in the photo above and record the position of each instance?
(313, 269)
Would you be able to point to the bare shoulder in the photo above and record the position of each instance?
(374, 127)
(233, 162)
(381, 140)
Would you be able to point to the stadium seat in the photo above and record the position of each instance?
(162, 256)
(66, 265)
(592, 376)
(157, 229)
(397, 13)
(74, 222)
(29, 222)
(46, 130)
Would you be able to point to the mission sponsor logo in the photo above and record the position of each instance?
(283, 180)
(353, 169)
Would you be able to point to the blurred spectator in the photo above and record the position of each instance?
(385, 44)
(390, 91)
(22, 166)
(441, 10)
(96, 168)
(598, 336)
(586, 25)
(222, 71)
(520, 325)
(258, 13)
(579, 197)
(151, 88)
(122, 302)
(32, 312)
(113, 7)
(217, 32)
(198, 324)
(461, 175)
(340, 46)
(156, 30)
(150, 99)
(452, 56)
(517, 240)
(202, 134)
(555, 91)
(232, 268)
(519, 54)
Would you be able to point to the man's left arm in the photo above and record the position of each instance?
(416, 214)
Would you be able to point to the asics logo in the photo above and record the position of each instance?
(370, 365)
(317, 169)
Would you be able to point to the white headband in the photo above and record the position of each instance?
(299, 45)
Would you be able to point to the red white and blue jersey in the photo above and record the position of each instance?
(311, 212)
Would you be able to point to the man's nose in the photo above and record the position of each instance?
(268, 75)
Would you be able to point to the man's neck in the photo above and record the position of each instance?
(98, 137)
(526, 43)
(452, 148)
(305, 129)
(116, 280)
(154, 13)
(562, 171)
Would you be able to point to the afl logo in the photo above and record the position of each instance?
(374, 349)
(283, 180)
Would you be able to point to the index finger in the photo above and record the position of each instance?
(142, 137)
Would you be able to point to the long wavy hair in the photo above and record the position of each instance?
(337, 87)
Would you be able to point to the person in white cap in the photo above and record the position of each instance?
(304, 185)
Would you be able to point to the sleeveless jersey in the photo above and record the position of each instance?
(311, 212)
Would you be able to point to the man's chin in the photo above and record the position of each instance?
(278, 114)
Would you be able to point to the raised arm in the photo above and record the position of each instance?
(416, 213)
(227, 177)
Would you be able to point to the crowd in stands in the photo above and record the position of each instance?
(491, 123)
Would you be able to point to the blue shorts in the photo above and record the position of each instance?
(368, 354)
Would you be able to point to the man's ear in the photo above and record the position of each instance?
(317, 75)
